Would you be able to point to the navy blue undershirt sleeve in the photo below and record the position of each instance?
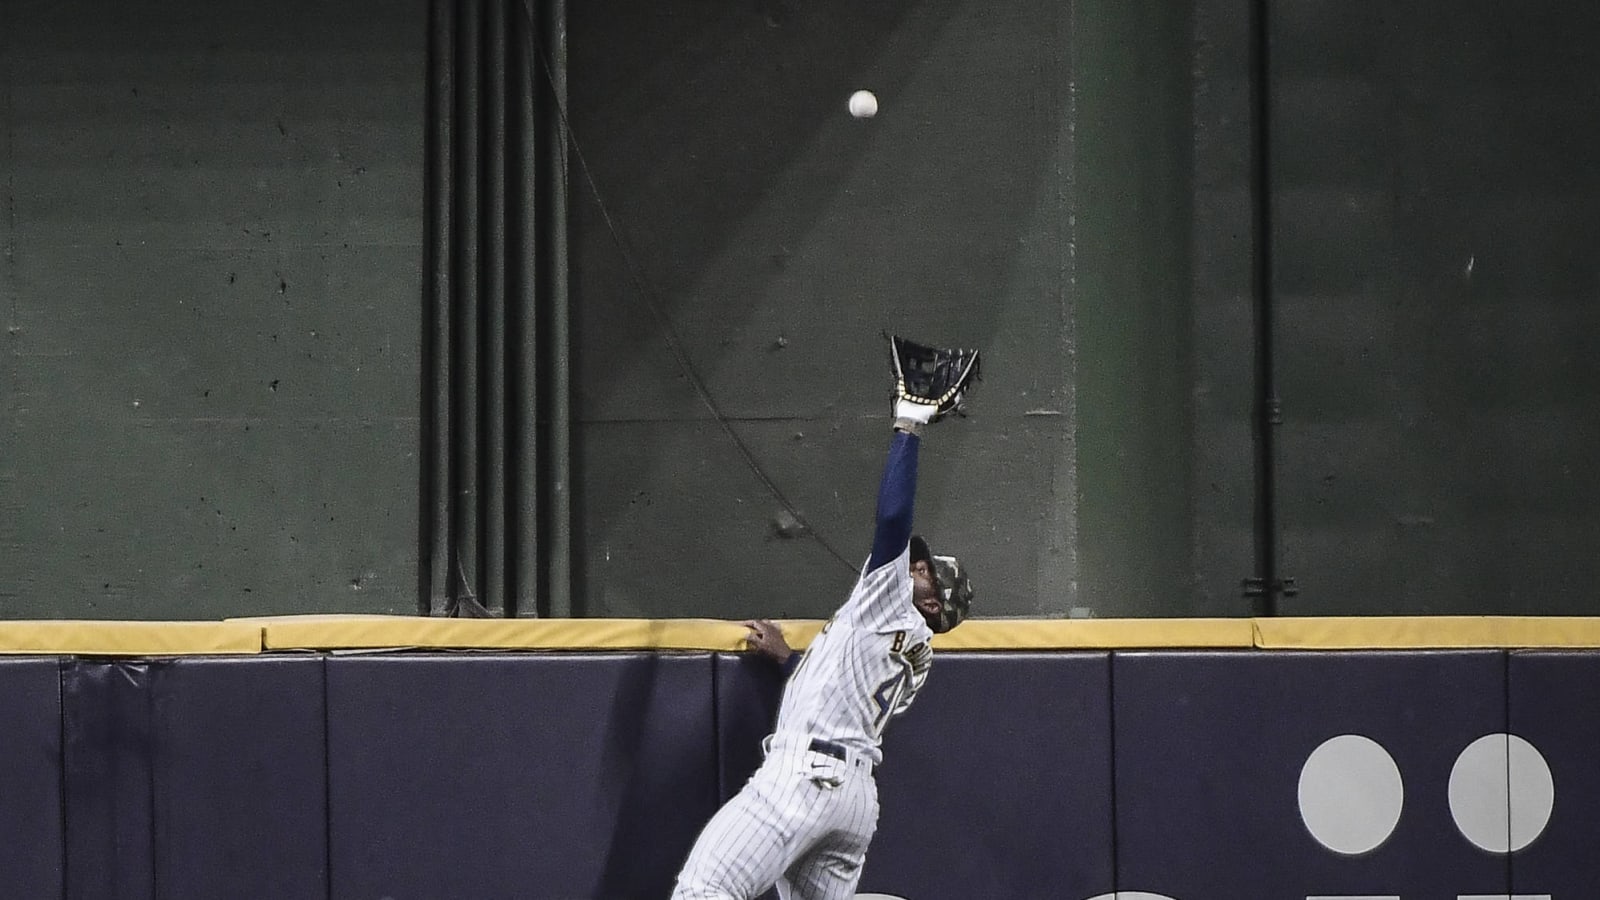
(896, 496)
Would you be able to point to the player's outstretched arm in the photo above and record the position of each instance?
(897, 493)
(929, 383)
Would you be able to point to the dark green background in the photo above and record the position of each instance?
(211, 285)
(211, 277)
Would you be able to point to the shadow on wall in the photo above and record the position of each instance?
(662, 762)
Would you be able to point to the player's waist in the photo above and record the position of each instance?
(837, 750)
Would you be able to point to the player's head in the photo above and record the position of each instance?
(940, 588)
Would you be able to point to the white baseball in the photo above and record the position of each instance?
(863, 105)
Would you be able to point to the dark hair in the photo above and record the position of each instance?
(920, 551)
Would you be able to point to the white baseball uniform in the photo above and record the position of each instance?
(804, 819)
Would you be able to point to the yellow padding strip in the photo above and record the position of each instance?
(1423, 632)
(341, 632)
(90, 638)
(377, 632)
(1096, 634)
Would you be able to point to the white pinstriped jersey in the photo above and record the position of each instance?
(864, 668)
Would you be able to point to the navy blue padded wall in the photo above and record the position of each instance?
(1555, 708)
(997, 782)
(30, 778)
(1211, 749)
(748, 688)
(530, 776)
(239, 771)
(106, 780)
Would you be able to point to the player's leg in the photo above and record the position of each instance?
(742, 851)
(831, 869)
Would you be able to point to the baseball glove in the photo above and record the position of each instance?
(931, 376)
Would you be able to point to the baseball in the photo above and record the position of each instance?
(863, 105)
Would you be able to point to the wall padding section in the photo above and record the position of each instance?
(558, 776)
(1554, 778)
(749, 689)
(240, 779)
(30, 778)
(537, 777)
(1215, 754)
(105, 727)
(996, 783)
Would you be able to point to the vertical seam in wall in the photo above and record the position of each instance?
(61, 699)
(1505, 699)
(1111, 742)
(327, 785)
(716, 729)
(151, 670)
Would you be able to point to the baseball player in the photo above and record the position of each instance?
(804, 819)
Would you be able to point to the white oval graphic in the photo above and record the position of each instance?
(1350, 794)
(1133, 895)
(1501, 793)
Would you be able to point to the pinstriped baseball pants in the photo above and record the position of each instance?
(803, 822)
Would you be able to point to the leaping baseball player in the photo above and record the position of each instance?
(805, 818)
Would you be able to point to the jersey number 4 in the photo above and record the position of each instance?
(888, 693)
(886, 696)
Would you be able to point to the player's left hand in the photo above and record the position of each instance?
(767, 638)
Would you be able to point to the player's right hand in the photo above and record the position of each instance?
(766, 638)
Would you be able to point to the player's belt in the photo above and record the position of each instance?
(829, 748)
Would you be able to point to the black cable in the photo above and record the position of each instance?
(645, 294)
